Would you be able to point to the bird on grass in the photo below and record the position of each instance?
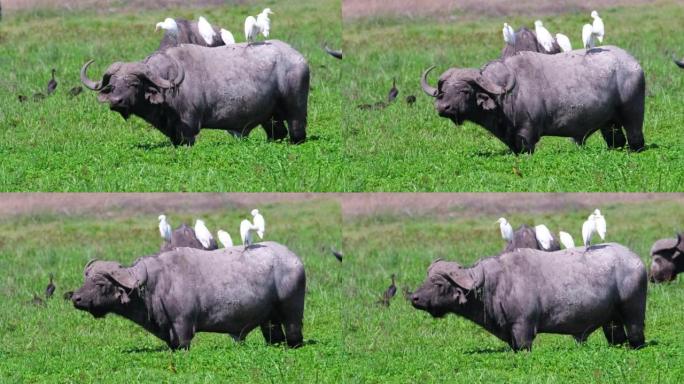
(52, 84)
(164, 228)
(543, 235)
(50, 289)
(506, 229)
(332, 52)
(389, 293)
(22, 98)
(393, 92)
(508, 34)
(37, 301)
(224, 238)
(543, 36)
(75, 91)
(338, 255)
(202, 233)
(410, 99)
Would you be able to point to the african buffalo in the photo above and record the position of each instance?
(184, 236)
(518, 294)
(526, 40)
(526, 237)
(571, 94)
(175, 294)
(234, 88)
(667, 259)
(188, 33)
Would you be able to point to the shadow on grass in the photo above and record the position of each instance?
(496, 153)
(149, 147)
(158, 348)
(490, 350)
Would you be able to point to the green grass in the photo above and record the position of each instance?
(60, 344)
(64, 144)
(404, 148)
(400, 344)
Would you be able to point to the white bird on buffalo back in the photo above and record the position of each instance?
(506, 229)
(247, 231)
(597, 27)
(543, 36)
(206, 30)
(588, 38)
(224, 238)
(543, 235)
(251, 29)
(227, 37)
(566, 240)
(164, 228)
(169, 26)
(259, 222)
(203, 234)
(508, 34)
(264, 22)
(600, 224)
(563, 42)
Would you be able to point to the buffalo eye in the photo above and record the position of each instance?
(107, 89)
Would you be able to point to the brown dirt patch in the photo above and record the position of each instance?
(487, 203)
(353, 9)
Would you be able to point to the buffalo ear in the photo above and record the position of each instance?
(460, 279)
(484, 101)
(153, 95)
(123, 278)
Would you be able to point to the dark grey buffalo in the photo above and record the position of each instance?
(175, 294)
(518, 294)
(184, 236)
(188, 33)
(526, 237)
(234, 88)
(572, 94)
(667, 259)
(526, 40)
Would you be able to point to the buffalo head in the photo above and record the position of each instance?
(448, 287)
(126, 86)
(667, 259)
(461, 94)
(108, 287)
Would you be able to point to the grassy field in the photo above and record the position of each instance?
(77, 144)
(400, 344)
(57, 343)
(402, 148)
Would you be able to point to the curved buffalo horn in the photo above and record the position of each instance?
(163, 83)
(493, 88)
(92, 85)
(430, 91)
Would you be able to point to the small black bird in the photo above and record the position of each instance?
(410, 99)
(52, 84)
(333, 53)
(38, 96)
(338, 255)
(389, 293)
(50, 289)
(37, 301)
(680, 63)
(75, 91)
(22, 98)
(393, 91)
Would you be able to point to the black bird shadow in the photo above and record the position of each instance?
(496, 153)
(488, 351)
(149, 147)
(309, 342)
(159, 348)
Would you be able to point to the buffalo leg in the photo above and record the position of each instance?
(273, 332)
(275, 129)
(632, 116)
(180, 335)
(614, 136)
(614, 331)
(522, 336)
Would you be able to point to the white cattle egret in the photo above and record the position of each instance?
(206, 30)
(251, 29)
(169, 25)
(588, 38)
(597, 27)
(224, 238)
(506, 229)
(247, 230)
(566, 240)
(588, 229)
(264, 22)
(203, 234)
(543, 235)
(508, 34)
(563, 42)
(259, 222)
(164, 228)
(227, 37)
(543, 36)
(600, 224)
